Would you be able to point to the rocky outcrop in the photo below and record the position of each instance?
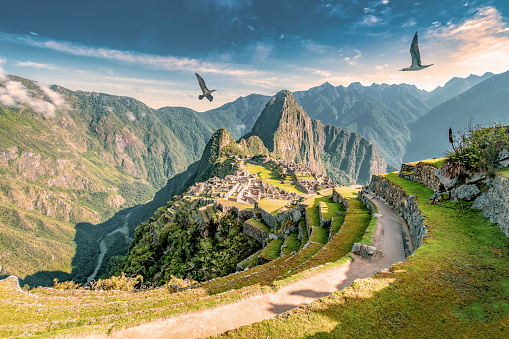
(403, 204)
(494, 203)
(366, 251)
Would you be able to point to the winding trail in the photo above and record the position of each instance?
(124, 229)
(389, 234)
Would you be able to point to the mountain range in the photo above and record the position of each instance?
(68, 177)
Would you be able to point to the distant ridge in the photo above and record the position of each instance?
(485, 103)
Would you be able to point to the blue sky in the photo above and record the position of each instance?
(150, 49)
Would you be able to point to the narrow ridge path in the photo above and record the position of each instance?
(388, 237)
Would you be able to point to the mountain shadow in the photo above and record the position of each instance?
(88, 237)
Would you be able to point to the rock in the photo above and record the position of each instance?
(366, 251)
(339, 213)
(494, 203)
(503, 155)
(448, 183)
(503, 163)
(465, 192)
(475, 177)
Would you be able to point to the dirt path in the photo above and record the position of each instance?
(389, 230)
(124, 229)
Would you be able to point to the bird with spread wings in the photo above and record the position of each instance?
(416, 56)
(204, 89)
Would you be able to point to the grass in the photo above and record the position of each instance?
(239, 205)
(455, 285)
(319, 235)
(433, 162)
(254, 259)
(272, 250)
(504, 172)
(368, 236)
(347, 192)
(259, 225)
(312, 208)
(272, 205)
(356, 221)
(292, 243)
(270, 178)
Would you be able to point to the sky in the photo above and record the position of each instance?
(151, 49)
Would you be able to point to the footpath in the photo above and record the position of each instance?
(388, 237)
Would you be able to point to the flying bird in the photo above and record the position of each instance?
(204, 89)
(416, 57)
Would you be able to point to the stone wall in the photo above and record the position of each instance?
(322, 208)
(267, 217)
(402, 203)
(336, 197)
(422, 173)
(255, 233)
(494, 203)
(365, 200)
(241, 213)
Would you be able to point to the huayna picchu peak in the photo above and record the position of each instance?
(290, 134)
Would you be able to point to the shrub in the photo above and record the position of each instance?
(65, 285)
(476, 149)
(121, 283)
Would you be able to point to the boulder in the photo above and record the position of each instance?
(366, 251)
(475, 177)
(503, 159)
(447, 182)
(465, 192)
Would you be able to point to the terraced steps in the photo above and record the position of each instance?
(271, 251)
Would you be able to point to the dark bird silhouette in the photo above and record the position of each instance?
(204, 89)
(416, 57)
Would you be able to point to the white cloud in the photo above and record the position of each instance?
(240, 128)
(262, 51)
(36, 65)
(324, 74)
(409, 23)
(477, 42)
(316, 47)
(370, 21)
(55, 97)
(14, 94)
(170, 63)
(380, 67)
